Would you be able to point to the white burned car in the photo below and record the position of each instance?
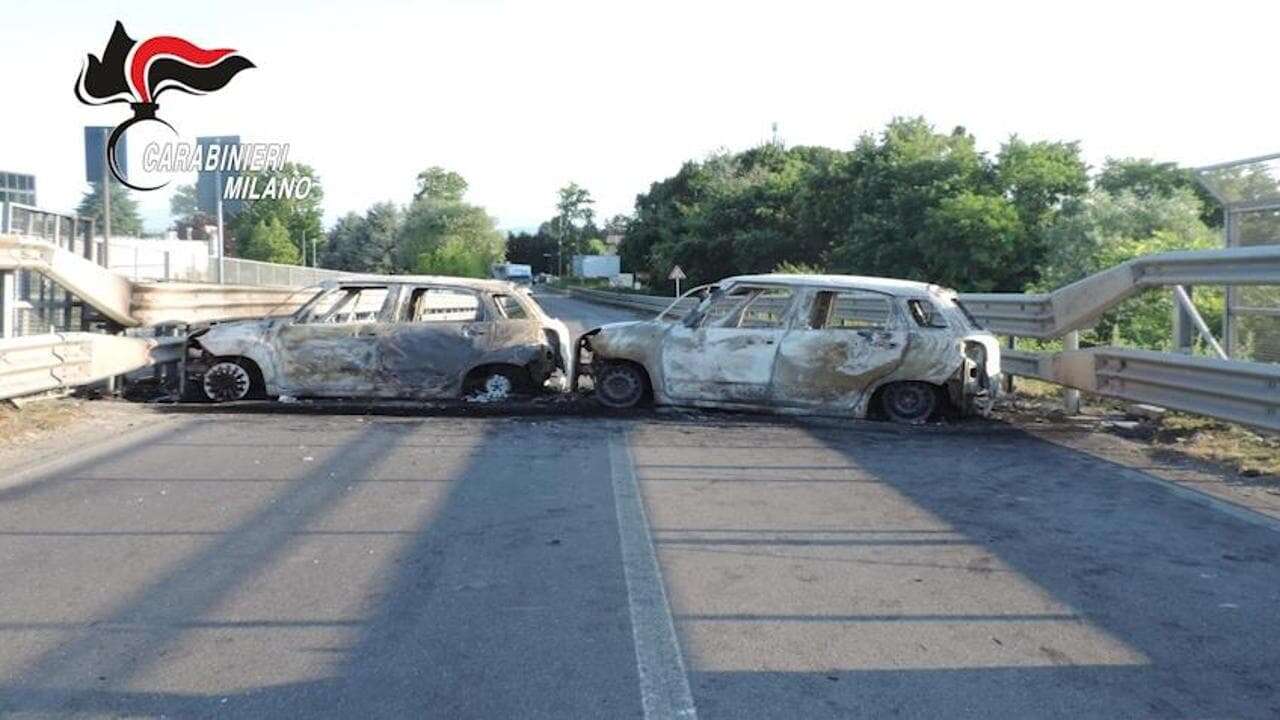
(411, 337)
(823, 344)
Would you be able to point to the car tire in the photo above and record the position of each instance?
(909, 403)
(229, 380)
(620, 385)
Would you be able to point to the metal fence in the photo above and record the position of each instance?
(1249, 191)
(29, 302)
(236, 271)
(32, 304)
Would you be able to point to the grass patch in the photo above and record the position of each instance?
(21, 424)
(1245, 451)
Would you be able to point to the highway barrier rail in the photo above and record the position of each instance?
(55, 361)
(135, 304)
(1080, 304)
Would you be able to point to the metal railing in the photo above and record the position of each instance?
(1080, 304)
(236, 271)
(53, 361)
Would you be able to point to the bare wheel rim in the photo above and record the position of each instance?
(910, 402)
(498, 385)
(227, 381)
(620, 386)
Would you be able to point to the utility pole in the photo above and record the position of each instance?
(112, 382)
(222, 242)
(106, 202)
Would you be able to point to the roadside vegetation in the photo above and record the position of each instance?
(1237, 449)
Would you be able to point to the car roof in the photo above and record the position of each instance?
(892, 286)
(473, 283)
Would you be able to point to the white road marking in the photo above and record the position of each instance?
(664, 686)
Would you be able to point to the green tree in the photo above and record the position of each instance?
(366, 243)
(1103, 230)
(573, 207)
(537, 250)
(125, 219)
(301, 217)
(269, 241)
(1146, 178)
(182, 204)
(442, 234)
(877, 203)
(974, 240)
(439, 184)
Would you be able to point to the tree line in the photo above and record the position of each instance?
(908, 202)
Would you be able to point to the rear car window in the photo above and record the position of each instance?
(850, 310)
(926, 314)
(510, 307)
(443, 305)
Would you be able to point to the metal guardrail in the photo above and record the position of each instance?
(39, 363)
(1243, 392)
(633, 301)
(133, 304)
(1080, 304)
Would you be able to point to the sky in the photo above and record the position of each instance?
(521, 98)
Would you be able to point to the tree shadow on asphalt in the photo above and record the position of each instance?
(1161, 574)
(509, 601)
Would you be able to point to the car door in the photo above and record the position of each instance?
(332, 350)
(845, 341)
(440, 332)
(727, 353)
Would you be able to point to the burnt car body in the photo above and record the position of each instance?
(822, 344)
(412, 337)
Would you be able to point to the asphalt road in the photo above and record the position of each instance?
(253, 564)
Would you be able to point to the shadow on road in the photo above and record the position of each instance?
(507, 600)
(1189, 591)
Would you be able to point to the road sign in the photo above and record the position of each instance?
(95, 153)
(676, 274)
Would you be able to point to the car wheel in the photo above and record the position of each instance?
(227, 381)
(620, 385)
(909, 402)
(495, 384)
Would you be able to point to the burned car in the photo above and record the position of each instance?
(412, 337)
(822, 344)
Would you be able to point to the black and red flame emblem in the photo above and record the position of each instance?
(136, 73)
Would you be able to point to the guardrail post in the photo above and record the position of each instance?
(1012, 344)
(8, 299)
(1183, 339)
(1071, 396)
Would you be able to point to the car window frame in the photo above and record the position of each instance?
(306, 311)
(529, 313)
(787, 315)
(892, 319)
(405, 309)
(937, 313)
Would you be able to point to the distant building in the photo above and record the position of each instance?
(17, 188)
(595, 266)
(207, 187)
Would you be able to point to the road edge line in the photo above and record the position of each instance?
(664, 684)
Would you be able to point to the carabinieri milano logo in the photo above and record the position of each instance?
(137, 73)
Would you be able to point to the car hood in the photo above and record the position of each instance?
(231, 337)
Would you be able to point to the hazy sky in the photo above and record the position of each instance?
(522, 97)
